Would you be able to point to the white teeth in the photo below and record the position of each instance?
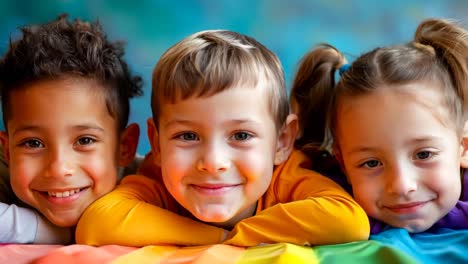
(63, 194)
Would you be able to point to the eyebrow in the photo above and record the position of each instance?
(86, 126)
(188, 122)
(359, 150)
(89, 126)
(409, 142)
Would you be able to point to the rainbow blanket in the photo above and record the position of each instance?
(390, 246)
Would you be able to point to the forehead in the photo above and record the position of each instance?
(424, 94)
(241, 102)
(391, 115)
(58, 101)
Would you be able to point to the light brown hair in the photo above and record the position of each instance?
(438, 53)
(209, 62)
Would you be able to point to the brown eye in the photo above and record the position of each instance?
(371, 164)
(423, 155)
(33, 143)
(241, 136)
(85, 141)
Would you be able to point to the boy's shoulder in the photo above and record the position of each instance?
(297, 160)
(297, 167)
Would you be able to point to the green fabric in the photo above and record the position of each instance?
(362, 252)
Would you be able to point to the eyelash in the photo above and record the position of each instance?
(90, 142)
(182, 135)
(364, 164)
(38, 144)
(431, 154)
(27, 143)
(246, 135)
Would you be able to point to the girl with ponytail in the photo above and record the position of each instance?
(395, 123)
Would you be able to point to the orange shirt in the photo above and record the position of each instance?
(300, 207)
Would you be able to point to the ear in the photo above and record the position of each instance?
(128, 144)
(286, 138)
(464, 152)
(153, 137)
(4, 141)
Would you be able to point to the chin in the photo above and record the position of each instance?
(214, 219)
(416, 227)
(63, 222)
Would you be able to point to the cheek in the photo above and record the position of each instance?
(22, 176)
(444, 182)
(174, 169)
(257, 174)
(177, 163)
(103, 174)
(365, 192)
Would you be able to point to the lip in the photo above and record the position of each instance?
(213, 189)
(406, 208)
(62, 200)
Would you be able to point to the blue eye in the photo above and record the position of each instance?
(241, 136)
(188, 136)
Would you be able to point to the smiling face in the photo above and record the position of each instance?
(217, 153)
(62, 147)
(401, 154)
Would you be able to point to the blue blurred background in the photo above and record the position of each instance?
(288, 27)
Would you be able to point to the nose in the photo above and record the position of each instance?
(213, 158)
(401, 179)
(59, 163)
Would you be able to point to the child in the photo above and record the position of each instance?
(65, 93)
(222, 135)
(396, 119)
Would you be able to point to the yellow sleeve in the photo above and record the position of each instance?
(134, 215)
(305, 208)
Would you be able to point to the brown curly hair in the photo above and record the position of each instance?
(65, 49)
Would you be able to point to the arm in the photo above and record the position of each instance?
(24, 225)
(307, 209)
(134, 214)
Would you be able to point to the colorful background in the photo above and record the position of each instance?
(288, 27)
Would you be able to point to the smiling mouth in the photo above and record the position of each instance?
(214, 189)
(64, 194)
(406, 208)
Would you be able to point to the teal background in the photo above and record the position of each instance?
(289, 28)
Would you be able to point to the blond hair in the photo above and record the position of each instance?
(209, 62)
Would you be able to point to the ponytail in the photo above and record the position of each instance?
(311, 93)
(450, 44)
